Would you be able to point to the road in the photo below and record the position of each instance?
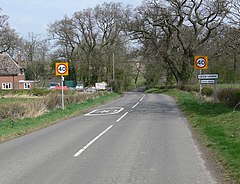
(137, 139)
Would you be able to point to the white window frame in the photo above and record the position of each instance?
(27, 85)
(7, 85)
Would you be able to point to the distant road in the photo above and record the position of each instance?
(137, 139)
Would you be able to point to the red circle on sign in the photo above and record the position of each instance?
(62, 68)
(201, 62)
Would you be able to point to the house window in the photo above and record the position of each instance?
(7, 85)
(26, 85)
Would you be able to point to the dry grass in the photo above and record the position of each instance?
(25, 106)
(35, 108)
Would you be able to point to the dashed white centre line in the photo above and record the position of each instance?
(142, 98)
(91, 142)
(101, 134)
(138, 102)
(135, 105)
(122, 117)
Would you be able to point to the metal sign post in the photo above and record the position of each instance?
(62, 78)
(200, 85)
(62, 70)
(200, 63)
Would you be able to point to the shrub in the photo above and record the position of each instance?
(35, 108)
(12, 110)
(207, 91)
(230, 97)
(53, 101)
(188, 88)
(152, 90)
(116, 86)
(39, 92)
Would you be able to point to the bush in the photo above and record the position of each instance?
(13, 110)
(189, 88)
(39, 92)
(35, 108)
(152, 90)
(116, 86)
(207, 91)
(230, 97)
(53, 101)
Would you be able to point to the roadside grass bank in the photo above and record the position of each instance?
(217, 129)
(12, 128)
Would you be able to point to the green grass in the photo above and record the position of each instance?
(10, 128)
(12, 100)
(218, 127)
(233, 85)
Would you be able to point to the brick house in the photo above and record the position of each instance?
(12, 75)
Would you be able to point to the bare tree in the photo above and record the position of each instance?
(9, 39)
(110, 22)
(235, 13)
(62, 32)
(35, 48)
(89, 36)
(177, 29)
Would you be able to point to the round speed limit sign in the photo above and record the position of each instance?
(200, 62)
(61, 69)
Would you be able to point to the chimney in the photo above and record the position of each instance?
(19, 58)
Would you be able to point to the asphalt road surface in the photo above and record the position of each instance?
(137, 139)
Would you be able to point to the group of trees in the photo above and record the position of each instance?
(172, 32)
(158, 39)
(90, 39)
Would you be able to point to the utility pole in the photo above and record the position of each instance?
(113, 57)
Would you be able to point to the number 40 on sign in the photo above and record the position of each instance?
(201, 62)
(61, 69)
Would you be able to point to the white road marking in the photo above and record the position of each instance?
(90, 112)
(91, 142)
(138, 102)
(105, 111)
(122, 117)
(142, 98)
(135, 105)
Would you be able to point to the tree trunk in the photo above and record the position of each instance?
(174, 70)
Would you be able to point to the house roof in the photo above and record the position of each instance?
(8, 66)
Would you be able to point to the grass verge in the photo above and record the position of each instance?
(11, 128)
(217, 128)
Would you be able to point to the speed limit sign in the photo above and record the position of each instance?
(61, 69)
(201, 62)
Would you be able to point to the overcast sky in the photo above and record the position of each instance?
(34, 15)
